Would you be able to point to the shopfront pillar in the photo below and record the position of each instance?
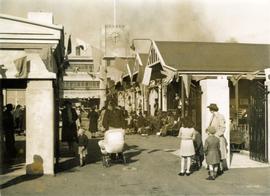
(164, 98)
(267, 83)
(40, 123)
(216, 91)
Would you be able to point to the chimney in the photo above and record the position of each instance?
(41, 17)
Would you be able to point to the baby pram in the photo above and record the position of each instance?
(112, 147)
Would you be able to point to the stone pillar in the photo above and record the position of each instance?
(267, 83)
(40, 123)
(216, 91)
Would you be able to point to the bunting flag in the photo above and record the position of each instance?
(147, 76)
(97, 55)
(102, 71)
(69, 47)
(187, 81)
(140, 74)
(169, 76)
(21, 67)
(114, 74)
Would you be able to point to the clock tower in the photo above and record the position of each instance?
(115, 41)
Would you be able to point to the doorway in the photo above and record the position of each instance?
(14, 153)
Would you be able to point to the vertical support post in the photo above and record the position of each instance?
(237, 101)
(40, 123)
(182, 98)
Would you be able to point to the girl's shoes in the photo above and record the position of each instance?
(210, 178)
(181, 174)
(187, 173)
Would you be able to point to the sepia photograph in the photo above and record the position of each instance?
(134, 97)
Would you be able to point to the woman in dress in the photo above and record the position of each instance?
(186, 135)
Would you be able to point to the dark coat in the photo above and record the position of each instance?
(113, 118)
(198, 145)
(69, 128)
(82, 140)
(93, 121)
(211, 150)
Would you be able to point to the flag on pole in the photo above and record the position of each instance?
(21, 67)
(187, 81)
(69, 47)
(97, 55)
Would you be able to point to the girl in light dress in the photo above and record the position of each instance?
(186, 135)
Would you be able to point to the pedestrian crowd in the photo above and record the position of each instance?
(14, 122)
(113, 122)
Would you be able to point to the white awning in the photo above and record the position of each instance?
(36, 69)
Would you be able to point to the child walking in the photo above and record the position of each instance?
(212, 152)
(82, 146)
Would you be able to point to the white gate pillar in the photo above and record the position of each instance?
(40, 123)
(216, 91)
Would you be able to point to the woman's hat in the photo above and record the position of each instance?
(213, 106)
(211, 130)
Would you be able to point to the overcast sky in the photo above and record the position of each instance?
(181, 20)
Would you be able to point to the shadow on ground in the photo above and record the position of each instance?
(19, 179)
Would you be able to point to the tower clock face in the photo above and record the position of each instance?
(116, 40)
(115, 36)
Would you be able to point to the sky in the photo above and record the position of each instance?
(245, 21)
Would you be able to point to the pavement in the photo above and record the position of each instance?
(152, 169)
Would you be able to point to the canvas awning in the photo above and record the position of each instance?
(17, 64)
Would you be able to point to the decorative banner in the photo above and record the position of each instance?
(187, 82)
(147, 76)
(97, 55)
(267, 74)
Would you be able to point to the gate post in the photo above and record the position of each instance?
(40, 123)
(216, 91)
(267, 84)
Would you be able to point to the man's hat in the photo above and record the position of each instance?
(213, 106)
(211, 130)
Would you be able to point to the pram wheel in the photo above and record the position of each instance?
(106, 161)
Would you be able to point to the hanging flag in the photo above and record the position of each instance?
(147, 76)
(97, 55)
(69, 47)
(21, 67)
(169, 76)
(140, 74)
(81, 44)
(187, 81)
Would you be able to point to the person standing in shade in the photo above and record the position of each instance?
(212, 152)
(186, 135)
(8, 128)
(93, 121)
(218, 122)
(69, 128)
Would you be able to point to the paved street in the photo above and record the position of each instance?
(151, 170)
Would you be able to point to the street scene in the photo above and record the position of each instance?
(145, 97)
